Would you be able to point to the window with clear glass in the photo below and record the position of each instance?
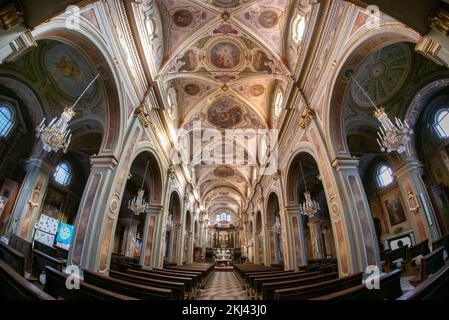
(442, 124)
(278, 103)
(6, 120)
(299, 28)
(384, 176)
(63, 174)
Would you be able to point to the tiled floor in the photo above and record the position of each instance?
(223, 285)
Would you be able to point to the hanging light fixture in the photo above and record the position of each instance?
(391, 136)
(138, 204)
(277, 225)
(309, 207)
(56, 136)
(170, 222)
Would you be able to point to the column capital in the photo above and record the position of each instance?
(39, 162)
(154, 210)
(341, 163)
(408, 167)
(104, 161)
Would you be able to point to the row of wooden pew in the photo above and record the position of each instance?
(129, 282)
(320, 281)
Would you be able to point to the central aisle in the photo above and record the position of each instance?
(223, 285)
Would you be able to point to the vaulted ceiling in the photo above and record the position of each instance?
(220, 63)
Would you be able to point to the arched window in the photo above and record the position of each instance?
(299, 28)
(278, 103)
(442, 123)
(384, 176)
(6, 120)
(63, 174)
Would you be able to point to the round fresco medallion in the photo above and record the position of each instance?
(382, 74)
(225, 55)
(257, 90)
(182, 18)
(68, 69)
(226, 3)
(224, 172)
(192, 89)
(268, 19)
(225, 113)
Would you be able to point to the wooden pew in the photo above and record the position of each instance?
(55, 285)
(392, 256)
(257, 282)
(25, 248)
(195, 277)
(42, 260)
(442, 242)
(412, 253)
(430, 264)
(250, 278)
(13, 286)
(389, 289)
(309, 291)
(127, 288)
(269, 288)
(434, 288)
(13, 258)
(177, 288)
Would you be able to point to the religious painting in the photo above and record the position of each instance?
(182, 18)
(224, 172)
(256, 90)
(394, 208)
(225, 55)
(226, 3)
(189, 61)
(69, 70)
(261, 62)
(225, 113)
(268, 19)
(9, 191)
(440, 203)
(192, 89)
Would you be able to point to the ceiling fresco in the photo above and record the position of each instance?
(225, 59)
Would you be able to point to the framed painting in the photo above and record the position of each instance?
(440, 204)
(394, 208)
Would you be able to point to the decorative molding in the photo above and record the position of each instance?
(440, 21)
(430, 49)
(308, 114)
(142, 112)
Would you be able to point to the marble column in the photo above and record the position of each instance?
(358, 218)
(30, 198)
(297, 243)
(93, 208)
(149, 257)
(424, 221)
(315, 234)
(175, 256)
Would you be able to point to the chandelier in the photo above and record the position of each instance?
(170, 222)
(56, 136)
(309, 207)
(277, 225)
(391, 136)
(138, 204)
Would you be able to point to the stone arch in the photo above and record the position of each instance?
(354, 54)
(101, 57)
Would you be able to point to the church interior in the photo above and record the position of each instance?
(224, 150)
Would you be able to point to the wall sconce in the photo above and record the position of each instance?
(413, 202)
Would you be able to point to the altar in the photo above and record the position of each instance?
(223, 259)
